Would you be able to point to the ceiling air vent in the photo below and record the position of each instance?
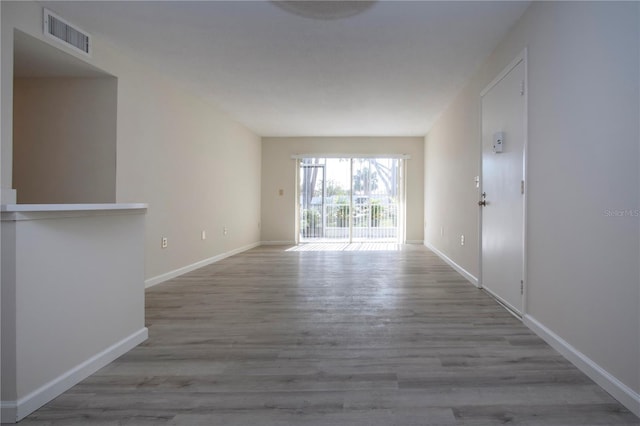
(63, 32)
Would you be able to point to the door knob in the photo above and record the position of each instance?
(482, 203)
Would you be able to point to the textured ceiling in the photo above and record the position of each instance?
(389, 70)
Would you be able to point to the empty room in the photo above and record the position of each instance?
(320, 212)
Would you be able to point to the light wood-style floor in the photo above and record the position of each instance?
(343, 337)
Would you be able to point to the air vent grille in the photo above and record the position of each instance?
(64, 32)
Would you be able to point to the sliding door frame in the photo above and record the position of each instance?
(402, 189)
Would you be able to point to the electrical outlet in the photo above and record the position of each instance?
(203, 235)
(164, 242)
(224, 230)
(442, 231)
(461, 240)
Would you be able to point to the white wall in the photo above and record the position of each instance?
(197, 168)
(91, 291)
(583, 277)
(64, 140)
(62, 308)
(452, 155)
(278, 212)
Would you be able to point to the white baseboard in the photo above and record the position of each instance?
(624, 394)
(413, 242)
(180, 271)
(9, 412)
(14, 411)
(278, 243)
(472, 279)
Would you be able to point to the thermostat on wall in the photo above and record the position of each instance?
(498, 142)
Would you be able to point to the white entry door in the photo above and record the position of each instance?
(502, 199)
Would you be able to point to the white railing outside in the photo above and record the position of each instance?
(370, 221)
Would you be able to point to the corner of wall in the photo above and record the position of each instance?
(14, 411)
(627, 396)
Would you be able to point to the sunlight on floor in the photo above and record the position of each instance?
(347, 247)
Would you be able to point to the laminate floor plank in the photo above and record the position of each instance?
(343, 337)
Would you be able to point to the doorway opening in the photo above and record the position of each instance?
(350, 200)
(64, 126)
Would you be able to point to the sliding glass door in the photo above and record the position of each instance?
(350, 199)
(325, 196)
(375, 199)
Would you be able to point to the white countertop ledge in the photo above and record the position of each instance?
(27, 208)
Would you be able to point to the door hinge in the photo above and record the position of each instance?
(522, 88)
(521, 286)
(522, 187)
